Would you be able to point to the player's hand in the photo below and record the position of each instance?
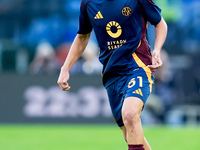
(63, 80)
(156, 60)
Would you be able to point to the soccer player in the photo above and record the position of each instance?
(120, 28)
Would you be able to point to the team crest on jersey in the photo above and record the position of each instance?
(126, 11)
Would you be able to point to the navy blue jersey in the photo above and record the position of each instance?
(120, 28)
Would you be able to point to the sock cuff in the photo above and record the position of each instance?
(136, 147)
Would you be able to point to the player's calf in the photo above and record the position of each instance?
(131, 117)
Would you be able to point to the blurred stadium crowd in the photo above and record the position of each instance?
(35, 37)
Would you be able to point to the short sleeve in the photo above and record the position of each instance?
(152, 12)
(85, 25)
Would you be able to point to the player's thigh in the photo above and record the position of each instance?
(132, 106)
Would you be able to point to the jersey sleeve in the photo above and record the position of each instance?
(85, 25)
(152, 12)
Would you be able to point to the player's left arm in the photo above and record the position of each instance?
(160, 36)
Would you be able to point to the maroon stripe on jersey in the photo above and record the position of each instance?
(87, 4)
(81, 3)
(150, 1)
(144, 51)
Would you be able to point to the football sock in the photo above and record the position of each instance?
(136, 147)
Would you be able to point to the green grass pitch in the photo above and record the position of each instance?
(93, 137)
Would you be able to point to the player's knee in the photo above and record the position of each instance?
(130, 118)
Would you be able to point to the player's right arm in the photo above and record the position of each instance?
(78, 46)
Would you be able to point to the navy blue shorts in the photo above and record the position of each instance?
(137, 84)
